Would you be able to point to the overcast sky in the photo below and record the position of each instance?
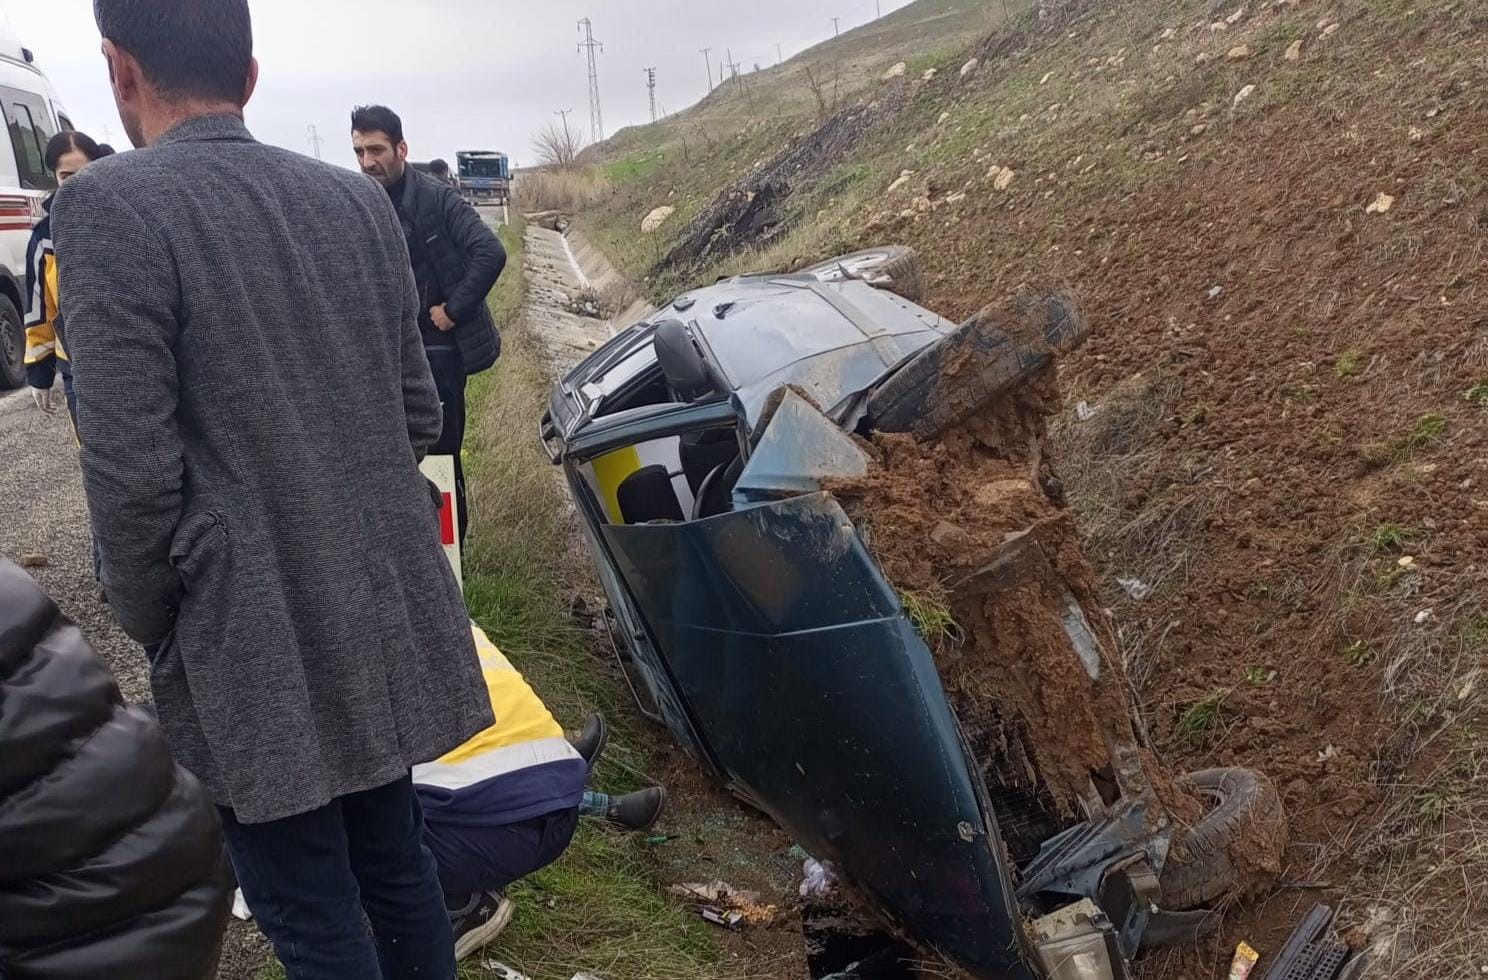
(463, 74)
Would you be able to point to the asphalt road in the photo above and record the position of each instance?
(42, 512)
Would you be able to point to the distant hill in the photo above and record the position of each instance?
(841, 68)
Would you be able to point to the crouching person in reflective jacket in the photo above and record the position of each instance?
(507, 802)
(111, 858)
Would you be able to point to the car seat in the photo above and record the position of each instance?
(647, 495)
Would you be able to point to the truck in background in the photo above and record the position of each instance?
(484, 176)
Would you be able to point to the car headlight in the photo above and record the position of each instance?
(1077, 943)
(1077, 958)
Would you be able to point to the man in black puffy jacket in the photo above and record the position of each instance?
(111, 859)
(456, 260)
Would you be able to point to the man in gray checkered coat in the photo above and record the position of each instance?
(253, 403)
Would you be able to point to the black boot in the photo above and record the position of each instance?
(590, 743)
(637, 811)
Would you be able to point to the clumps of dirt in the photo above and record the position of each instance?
(752, 212)
(976, 516)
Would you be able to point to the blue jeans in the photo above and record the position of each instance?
(309, 878)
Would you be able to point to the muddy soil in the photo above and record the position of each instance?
(973, 528)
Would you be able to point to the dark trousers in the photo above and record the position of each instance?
(65, 367)
(310, 878)
(487, 858)
(449, 377)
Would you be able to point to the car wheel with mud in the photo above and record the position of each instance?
(1236, 848)
(895, 268)
(12, 346)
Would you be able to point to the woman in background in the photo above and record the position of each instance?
(66, 154)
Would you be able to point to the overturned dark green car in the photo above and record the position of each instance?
(751, 618)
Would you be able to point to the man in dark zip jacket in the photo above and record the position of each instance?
(456, 260)
(111, 859)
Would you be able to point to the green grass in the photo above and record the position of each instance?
(933, 619)
(1427, 430)
(1358, 654)
(633, 169)
(1390, 538)
(1347, 365)
(1259, 675)
(1200, 719)
(1477, 394)
(1474, 634)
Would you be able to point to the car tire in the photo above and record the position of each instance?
(1235, 847)
(12, 346)
(895, 268)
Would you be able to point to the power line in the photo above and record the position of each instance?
(708, 60)
(315, 140)
(596, 117)
(651, 88)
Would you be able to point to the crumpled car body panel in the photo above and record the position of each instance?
(820, 702)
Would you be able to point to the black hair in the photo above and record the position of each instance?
(104, 150)
(377, 119)
(69, 141)
(439, 166)
(188, 49)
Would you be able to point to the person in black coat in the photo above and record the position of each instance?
(111, 857)
(456, 260)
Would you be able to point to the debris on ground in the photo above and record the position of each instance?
(724, 905)
(819, 879)
(1244, 961)
(1381, 204)
(33, 559)
(587, 303)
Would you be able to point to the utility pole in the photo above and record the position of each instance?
(779, 57)
(708, 60)
(596, 118)
(878, 9)
(734, 70)
(835, 31)
(651, 88)
(315, 140)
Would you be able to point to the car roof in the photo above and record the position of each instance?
(831, 341)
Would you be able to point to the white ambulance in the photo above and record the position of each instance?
(32, 117)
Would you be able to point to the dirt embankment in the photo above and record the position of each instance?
(1275, 444)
